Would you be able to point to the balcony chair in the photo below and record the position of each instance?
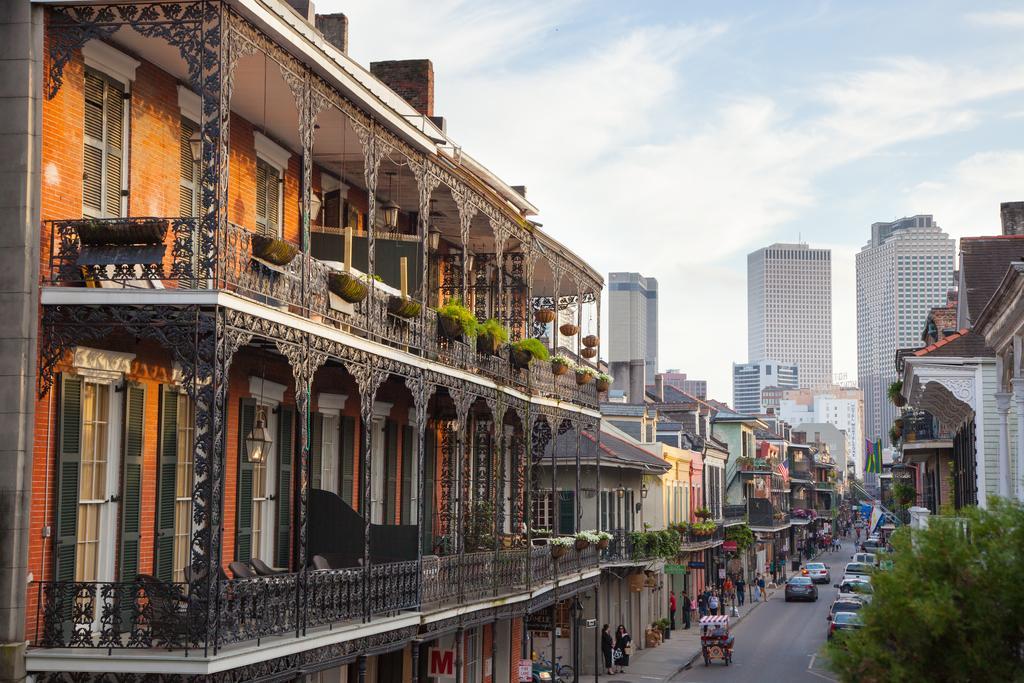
(241, 570)
(167, 610)
(263, 569)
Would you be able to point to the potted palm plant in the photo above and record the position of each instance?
(490, 335)
(560, 365)
(456, 321)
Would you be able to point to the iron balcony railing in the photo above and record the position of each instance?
(148, 613)
(165, 253)
(762, 513)
(733, 514)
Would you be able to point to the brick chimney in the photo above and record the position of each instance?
(1012, 215)
(659, 387)
(334, 28)
(412, 79)
(304, 9)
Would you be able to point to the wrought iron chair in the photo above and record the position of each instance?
(263, 569)
(167, 610)
(241, 570)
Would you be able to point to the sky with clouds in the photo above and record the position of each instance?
(672, 138)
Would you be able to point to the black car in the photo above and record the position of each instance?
(801, 588)
(844, 621)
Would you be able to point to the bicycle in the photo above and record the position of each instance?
(563, 673)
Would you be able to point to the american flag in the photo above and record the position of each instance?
(783, 469)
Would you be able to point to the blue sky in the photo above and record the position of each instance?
(675, 137)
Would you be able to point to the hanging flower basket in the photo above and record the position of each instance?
(603, 385)
(520, 359)
(347, 287)
(544, 315)
(560, 365)
(603, 543)
(403, 307)
(272, 250)
(121, 232)
(582, 544)
(450, 327)
(591, 341)
(488, 344)
(569, 330)
(584, 376)
(588, 353)
(557, 550)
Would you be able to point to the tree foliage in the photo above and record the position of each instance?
(950, 610)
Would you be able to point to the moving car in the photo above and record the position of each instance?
(801, 588)
(858, 570)
(865, 558)
(855, 588)
(818, 571)
(845, 604)
(844, 621)
(871, 545)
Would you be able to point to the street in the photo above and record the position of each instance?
(779, 641)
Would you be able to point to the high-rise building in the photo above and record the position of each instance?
(789, 309)
(904, 270)
(750, 379)
(694, 387)
(633, 331)
(839, 406)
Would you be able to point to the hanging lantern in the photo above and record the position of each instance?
(314, 205)
(390, 210)
(195, 145)
(258, 442)
(433, 239)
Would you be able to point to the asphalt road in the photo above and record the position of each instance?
(779, 641)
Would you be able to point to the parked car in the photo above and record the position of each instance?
(871, 545)
(844, 621)
(865, 558)
(801, 588)
(818, 571)
(845, 604)
(855, 588)
(858, 570)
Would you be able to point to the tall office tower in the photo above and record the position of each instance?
(694, 387)
(904, 270)
(633, 332)
(750, 379)
(789, 309)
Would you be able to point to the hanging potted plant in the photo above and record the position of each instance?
(568, 330)
(588, 353)
(273, 250)
(894, 435)
(581, 542)
(560, 365)
(490, 335)
(121, 231)
(456, 321)
(403, 306)
(345, 285)
(524, 351)
(745, 462)
(895, 393)
(544, 315)
(584, 375)
(591, 341)
(560, 545)
(604, 539)
(702, 513)
(604, 382)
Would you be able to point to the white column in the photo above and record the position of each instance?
(1018, 394)
(1003, 405)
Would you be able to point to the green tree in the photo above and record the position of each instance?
(949, 610)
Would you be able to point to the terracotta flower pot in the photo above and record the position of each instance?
(559, 368)
(583, 378)
(603, 543)
(544, 315)
(591, 341)
(588, 353)
(603, 385)
(582, 544)
(568, 330)
(557, 550)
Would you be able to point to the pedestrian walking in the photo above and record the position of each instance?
(741, 586)
(607, 648)
(686, 609)
(760, 587)
(672, 610)
(623, 645)
(702, 603)
(713, 603)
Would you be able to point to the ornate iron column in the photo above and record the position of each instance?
(463, 401)
(467, 211)
(368, 379)
(426, 183)
(374, 149)
(421, 393)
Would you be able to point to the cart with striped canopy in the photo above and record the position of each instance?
(715, 640)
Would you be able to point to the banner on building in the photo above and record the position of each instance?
(440, 663)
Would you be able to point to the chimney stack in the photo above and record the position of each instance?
(659, 387)
(412, 79)
(636, 381)
(1012, 215)
(304, 9)
(334, 28)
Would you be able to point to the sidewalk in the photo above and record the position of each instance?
(672, 656)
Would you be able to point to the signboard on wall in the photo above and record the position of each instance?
(695, 564)
(525, 671)
(730, 546)
(675, 569)
(440, 663)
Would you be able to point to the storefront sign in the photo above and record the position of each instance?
(721, 572)
(440, 663)
(675, 568)
(525, 671)
(694, 564)
(730, 546)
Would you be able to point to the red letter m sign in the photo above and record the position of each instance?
(442, 663)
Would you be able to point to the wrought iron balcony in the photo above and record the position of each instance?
(763, 514)
(167, 254)
(734, 514)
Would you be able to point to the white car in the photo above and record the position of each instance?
(865, 558)
(858, 570)
(818, 571)
(854, 588)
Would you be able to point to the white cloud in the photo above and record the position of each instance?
(1008, 19)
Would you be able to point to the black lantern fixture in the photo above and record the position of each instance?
(433, 239)
(390, 208)
(258, 441)
(314, 205)
(620, 491)
(643, 489)
(195, 145)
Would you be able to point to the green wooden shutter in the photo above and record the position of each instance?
(405, 498)
(69, 458)
(390, 469)
(285, 452)
(316, 448)
(348, 454)
(566, 512)
(429, 476)
(243, 506)
(604, 510)
(131, 480)
(167, 469)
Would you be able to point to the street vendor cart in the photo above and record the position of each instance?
(716, 642)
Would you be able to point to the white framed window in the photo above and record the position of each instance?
(329, 456)
(183, 488)
(472, 644)
(543, 511)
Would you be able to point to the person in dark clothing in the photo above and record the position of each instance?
(607, 645)
(624, 644)
(741, 586)
(686, 609)
(702, 603)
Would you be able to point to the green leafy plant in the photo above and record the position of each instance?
(365, 277)
(895, 393)
(563, 541)
(532, 346)
(705, 528)
(741, 535)
(663, 543)
(490, 335)
(702, 513)
(457, 319)
(479, 526)
(562, 360)
(903, 493)
(894, 435)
